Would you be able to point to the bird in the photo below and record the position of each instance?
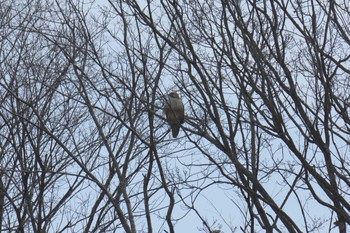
(174, 112)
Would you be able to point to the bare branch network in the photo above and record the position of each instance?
(262, 146)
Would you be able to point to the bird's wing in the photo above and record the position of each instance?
(169, 113)
(180, 113)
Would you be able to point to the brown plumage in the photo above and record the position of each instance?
(174, 112)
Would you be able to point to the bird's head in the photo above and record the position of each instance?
(174, 95)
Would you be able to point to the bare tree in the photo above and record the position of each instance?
(85, 146)
(267, 84)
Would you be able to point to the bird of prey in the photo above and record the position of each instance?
(174, 112)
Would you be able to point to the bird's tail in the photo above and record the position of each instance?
(175, 129)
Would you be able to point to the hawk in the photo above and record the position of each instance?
(174, 112)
